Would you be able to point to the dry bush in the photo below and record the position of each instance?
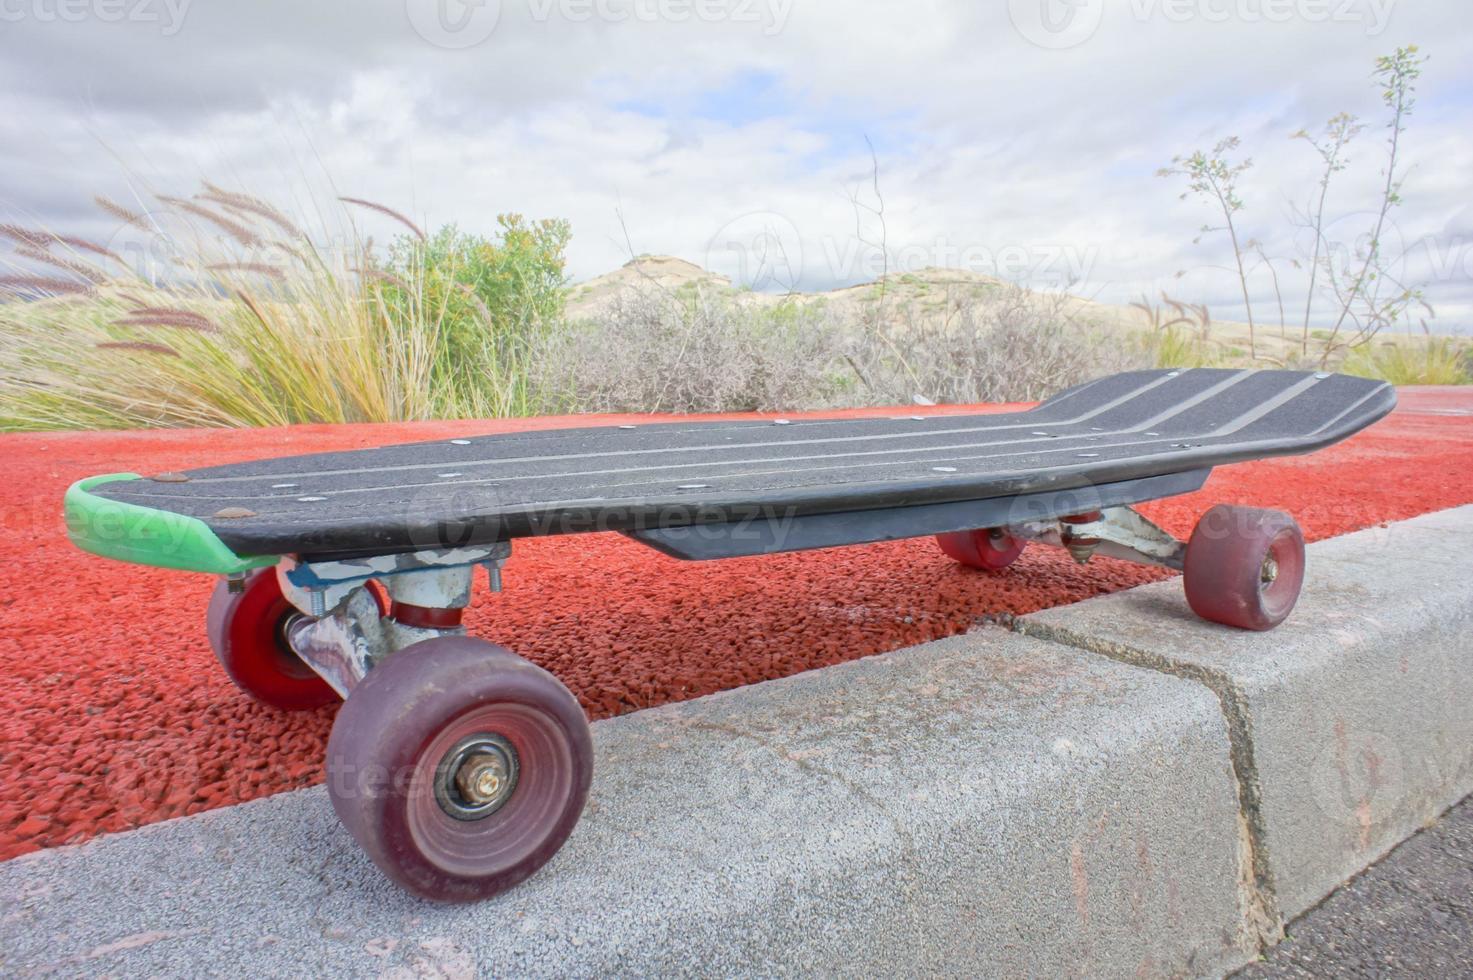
(1005, 343)
(708, 351)
(695, 350)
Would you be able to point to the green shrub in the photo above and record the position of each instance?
(489, 302)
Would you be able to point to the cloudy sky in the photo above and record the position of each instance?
(1015, 137)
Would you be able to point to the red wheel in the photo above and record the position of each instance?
(459, 767)
(248, 633)
(1244, 567)
(989, 547)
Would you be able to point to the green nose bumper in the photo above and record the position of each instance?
(145, 536)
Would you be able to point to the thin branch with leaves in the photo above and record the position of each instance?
(1214, 176)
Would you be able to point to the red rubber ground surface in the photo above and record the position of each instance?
(113, 712)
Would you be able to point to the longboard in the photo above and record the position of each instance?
(1125, 427)
(461, 768)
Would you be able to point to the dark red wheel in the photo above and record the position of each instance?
(991, 548)
(1244, 567)
(248, 633)
(459, 767)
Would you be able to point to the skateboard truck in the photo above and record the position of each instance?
(1116, 532)
(341, 628)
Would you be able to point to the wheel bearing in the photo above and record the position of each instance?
(476, 777)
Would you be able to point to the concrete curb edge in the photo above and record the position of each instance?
(1110, 787)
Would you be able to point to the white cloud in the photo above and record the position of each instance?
(992, 149)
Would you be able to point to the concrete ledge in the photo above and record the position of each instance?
(989, 802)
(1352, 722)
(1118, 788)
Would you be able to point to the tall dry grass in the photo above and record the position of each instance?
(1430, 361)
(219, 310)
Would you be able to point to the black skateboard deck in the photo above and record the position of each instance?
(1125, 427)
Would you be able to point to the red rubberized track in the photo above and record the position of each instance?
(113, 712)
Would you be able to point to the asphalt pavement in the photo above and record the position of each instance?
(1408, 915)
